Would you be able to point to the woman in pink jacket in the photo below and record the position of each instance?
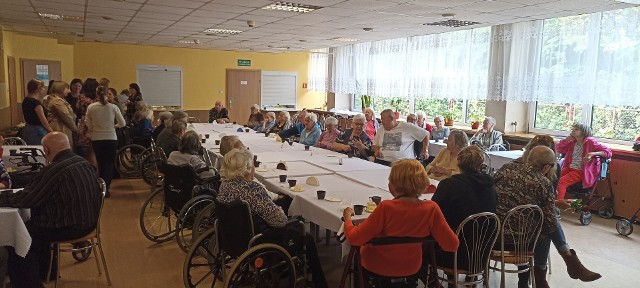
(579, 164)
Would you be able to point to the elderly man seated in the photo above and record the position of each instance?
(218, 113)
(487, 138)
(354, 140)
(64, 199)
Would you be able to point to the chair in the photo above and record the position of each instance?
(16, 141)
(477, 235)
(193, 120)
(518, 236)
(353, 265)
(93, 238)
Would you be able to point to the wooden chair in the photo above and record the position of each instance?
(518, 236)
(93, 238)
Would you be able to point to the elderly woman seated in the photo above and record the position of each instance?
(269, 122)
(487, 138)
(354, 140)
(327, 137)
(238, 183)
(189, 153)
(464, 194)
(284, 122)
(311, 132)
(256, 117)
(404, 216)
(445, 164)
(439, 132)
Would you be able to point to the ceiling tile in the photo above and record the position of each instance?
(489, 6)
(166, 9)
(128, 5)
(442, 4)
(155, 15)
(214, 14)
(365, 5)
(247, 3)
(176, 3)
(525, 11)
(226, 8)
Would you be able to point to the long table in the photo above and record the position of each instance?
(14, 162)
(13, 231)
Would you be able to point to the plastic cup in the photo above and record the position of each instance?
(321, 194)
(283, 178)
(358, 209)
(292, 182)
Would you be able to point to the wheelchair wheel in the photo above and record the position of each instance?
(149, 170)
(82, 254)
(186, 218)
(624, 227)
(605, 211)
(127, 161)
(203, 266)
(585, 218)
(157, 221)
(264, 265)
(205, 220)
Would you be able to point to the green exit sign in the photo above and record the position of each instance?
(244, 62)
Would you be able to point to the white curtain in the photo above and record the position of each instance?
(445, 66)
(318, 70)
(591, 59)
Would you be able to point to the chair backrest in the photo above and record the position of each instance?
(477, 234)
(103, 191)
(234, 227)
(178, 185)
(14, 141)
(519, 232)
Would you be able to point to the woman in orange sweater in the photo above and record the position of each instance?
(404, 216)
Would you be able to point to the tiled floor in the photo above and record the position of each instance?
(134, 261)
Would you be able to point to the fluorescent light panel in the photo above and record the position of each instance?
(189, 42)
(343, 39)
(222, 31)
(629, 1)
(452, 23)
(61, 17)
(291, 7)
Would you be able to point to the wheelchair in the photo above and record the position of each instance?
(169, 212)
(133, 149)
(585, 198)
(235, 255)
(150, 159)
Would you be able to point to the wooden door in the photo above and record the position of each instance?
(44, 70)
(16, 109)
(243, 90)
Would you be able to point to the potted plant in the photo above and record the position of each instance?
(367, 101)
(475, 121)
(448, 118)
(396, 103)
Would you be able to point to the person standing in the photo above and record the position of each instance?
(59, 112)
(73, 96)
(100, 118)
(34, 115)
(134, 96)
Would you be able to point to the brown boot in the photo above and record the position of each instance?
(576, 270)
(541, 277)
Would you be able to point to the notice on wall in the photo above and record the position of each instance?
(243, 82)
(42, 73)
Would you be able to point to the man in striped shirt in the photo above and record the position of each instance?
(64, 199)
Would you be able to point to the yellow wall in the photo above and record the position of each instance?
(203, 70)
(32, 47)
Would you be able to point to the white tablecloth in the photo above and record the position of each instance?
(435, 147)
(377, 178)
(499, 158)
(11, 161)
(331, 161)
(294, 169)
(13, 232)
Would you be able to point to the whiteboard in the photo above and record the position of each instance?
(160, 85)
(279, 88)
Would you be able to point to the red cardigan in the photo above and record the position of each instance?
(401, 219)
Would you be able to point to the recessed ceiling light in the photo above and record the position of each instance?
(629, 1)
(221, 31)
(195, 41)
(107, 18)
(452, 23)
(61, 17)
(343, 39)
(367, 29)
(291, 7)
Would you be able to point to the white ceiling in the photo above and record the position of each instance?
(164, 22)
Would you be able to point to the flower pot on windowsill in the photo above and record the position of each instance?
(397, 115)
(448, 122)
(475, 125)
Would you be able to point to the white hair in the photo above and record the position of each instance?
(331, 121)
(491, 120)
(286, 114)
(421, 114)
(236, 163)
(272, 115)
(256, 106)
(438, 118)
(360, 117)
(312, 116)
(372, 111)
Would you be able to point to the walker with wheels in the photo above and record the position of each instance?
(625, 225)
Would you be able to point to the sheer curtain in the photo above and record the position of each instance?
(318, 70)
(446, 66)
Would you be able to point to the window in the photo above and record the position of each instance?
(558, 117)
(475, 111)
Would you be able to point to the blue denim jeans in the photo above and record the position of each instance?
(33, 134)
(544, 244)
